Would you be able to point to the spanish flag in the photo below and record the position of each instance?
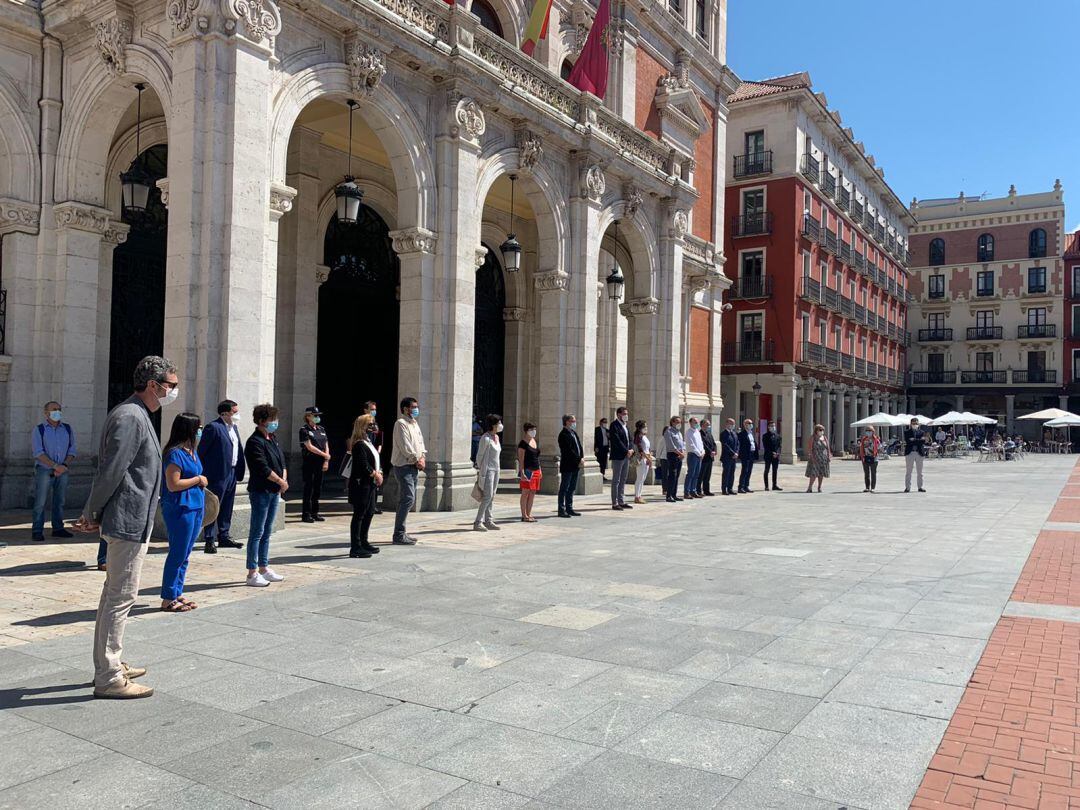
(537, 28)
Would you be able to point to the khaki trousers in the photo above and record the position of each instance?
(913, 460)
(123, 571)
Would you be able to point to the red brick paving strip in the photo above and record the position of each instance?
(1013, 739)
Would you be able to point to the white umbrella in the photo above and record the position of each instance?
(879, 419)
(975, 419)
(952, 418)
(1064, 422)
(1049, 413)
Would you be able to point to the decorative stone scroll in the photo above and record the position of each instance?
(514, 314)
(322, 273)
(367, 66)
(281, 199)
(413, 240)
(466, 118)
(113, 36)
(181, 14)
(82, 217)
(640, 306)
(593, 184)
(19, 217)
(551, 281)
(480, 257)
(163, 187)
(260, 18)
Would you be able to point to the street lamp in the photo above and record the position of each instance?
(348, 194)
(511, 248)
(615, 278)
(135, 182)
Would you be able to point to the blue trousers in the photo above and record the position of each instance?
(226, 492)
(263, 511)
(44, 481)
(567, 486)
(693, 470)
(407, 476)
(184, 527)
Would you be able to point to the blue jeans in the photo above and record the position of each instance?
(184, 527)
(567, 486)
(44, 480)
(263, 511)
(693, 470)
(671, 473)
(406, 477)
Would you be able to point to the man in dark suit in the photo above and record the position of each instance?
(748, 452)
(571, 457)
(771, 443)
(619, 443)
(705, 476)
(729, 454)
(601, 446)
(916, 447)
(222, 455)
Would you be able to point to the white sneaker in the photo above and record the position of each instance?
(257, 580)
(270, 576)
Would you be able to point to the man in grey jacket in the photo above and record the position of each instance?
(122, 504)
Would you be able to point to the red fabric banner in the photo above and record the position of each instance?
(590, 72)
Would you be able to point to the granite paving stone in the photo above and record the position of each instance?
(320, 708)
(783, 676)
(410, 733)
(550, 669)
(536, 707)
(898, 694)
(611, 723)
(474, 796)
(39, 751)
(760, 708)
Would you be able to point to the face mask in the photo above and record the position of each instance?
(532, 434)
(623, 418)
(170, 396)
(372, 414)
(317, 419)
(415, 412)
(198, 434)
(55, 415)
(271, 427)
(499, 428)
(573, 425)
(693, 427)
(772, 428)
(869, 433)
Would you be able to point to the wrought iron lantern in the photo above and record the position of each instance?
(347, 193)
(511, 248)
(135, 182)
(615, 280)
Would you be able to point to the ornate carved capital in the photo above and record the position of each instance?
(113, 36)
(514, 314)
(367, 66)
(551, 281)
(322, 273)
(181, 14)
(632, 199)
(480, 257)
(680, 223)
(696, 284)
(19, 217)
(116, 233)
(82, 217)
(163, 187)
(258, 19)
(281, 197)
(530, 149)
(413, 240)
(640, 306)
(593, 183)
(466, 118)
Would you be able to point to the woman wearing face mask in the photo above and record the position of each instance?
(817, 458)
(182, 500)
(642, 456)
(365, 478)
(487, 465)
(869, 447)
(528, 467)
(267, 481)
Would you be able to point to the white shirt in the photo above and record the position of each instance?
(693, 442)
(753, 445)
(645, 446)
(234, 437)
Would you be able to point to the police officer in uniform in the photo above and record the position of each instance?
(316, 461)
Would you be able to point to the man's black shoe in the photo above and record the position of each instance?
(227, 543)
(615, 507)
(358, 553)
(62, 533)
(572, 513)
(378, 511)
(625, 506)
(921, 489)
(776, 488)
(210, 548)
(37, 537)
(710, 494)
(563, 514)
(318, 518)
(307, 519)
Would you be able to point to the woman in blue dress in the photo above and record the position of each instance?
(182, 500)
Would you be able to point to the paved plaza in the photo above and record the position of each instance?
(778, 650)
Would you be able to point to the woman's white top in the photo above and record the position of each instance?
(645, 447)
(487, 455)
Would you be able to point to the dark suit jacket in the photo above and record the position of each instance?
(215, 452)
(570, 452)
(914, 440)
(771, 444)
(600, 440)
(745, 453)
(363, 467)
(729, 446)
(619, 440)
(709, 443)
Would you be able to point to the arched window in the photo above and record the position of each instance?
(488, 18)
(1037, 244)
(564, 71)
(986, 248)
(937, 251)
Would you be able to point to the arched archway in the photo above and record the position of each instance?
(490, 336)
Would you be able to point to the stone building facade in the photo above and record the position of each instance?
(239, 269)
(988, 316)
(817, 250)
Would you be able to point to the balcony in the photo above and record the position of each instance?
(843, 198)
(936, 294)
(752, 224)
(811, 168)
(939, 377)
(810, 228)
(828, 184)
(860, 313)
(754, 163)
(813, 353)
(857, 211)
(748, 352)
(985, 332)
(1034, 376)
(859, 261)
(935, 335)
(1035, 289)
(1041, 330)
(743, 288)
(845, 253)
(810, 289)
(828, 241)
(982, 377)
(831, 298)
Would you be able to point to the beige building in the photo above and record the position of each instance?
(987, 320)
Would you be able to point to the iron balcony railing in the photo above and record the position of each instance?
(748, 351)
(871, 320)
(985, 332)
(1026, 376)
(879, 231)
(811, 168)
(828, 184)
(810, 289)
(860, 366)
(928, 335)
(860, 313)
(940, 377)
(753, 163)
(847, 306)
(1036, 289)
(843, 198)
(932, 293)
(986, 377)
(810, 228)
(847, 362)
(759, 287)
(1040, 330)
(860, 261)
(753, 224)
(813, 353)
(828, 241)
(845, 252)
(857, 211)
(831, 358)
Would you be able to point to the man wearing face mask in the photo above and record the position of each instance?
(729, 454)
(53, 445)
(915, 449)
(705, 475)
(619, 444)
(408, 459)
(222, 455)
(122, 504)
(315, 460)
(747, 455)
(771, 443)
(571, 458)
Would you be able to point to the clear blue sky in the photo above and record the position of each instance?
(948, 95)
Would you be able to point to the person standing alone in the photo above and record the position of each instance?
(915, 449)
(408, 458)
(315, 460)
(122, 504)
(222, 455)
(619, 441)
(571, 458)
(53, 444)
(771, 444)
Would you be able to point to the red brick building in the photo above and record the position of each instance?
(1072, 319)
(816, 245)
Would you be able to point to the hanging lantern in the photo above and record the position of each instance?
(135, 182)
(615, 280)
(347, 193)
(511, 248)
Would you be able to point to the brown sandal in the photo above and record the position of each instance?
(175, 606)
(184, 600)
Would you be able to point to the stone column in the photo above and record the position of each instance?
(668, 286)
(788, 415)
(606, 340)
(515, 381)
(549, 370)
(807, 413)
(839, 438)
(826, 412)
(959, 403)
(1010, 412)
(641, 390)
